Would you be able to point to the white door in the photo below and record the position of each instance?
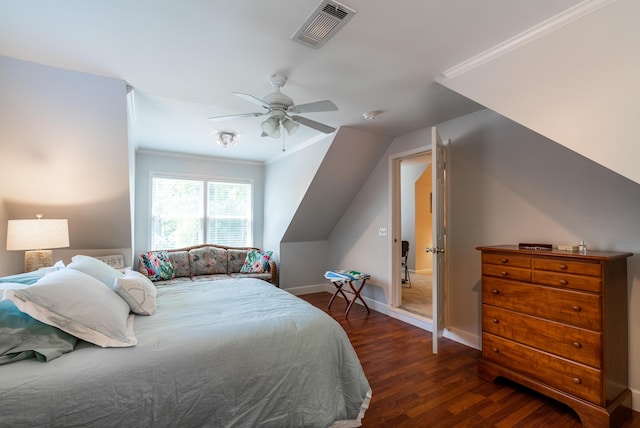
(438, 230)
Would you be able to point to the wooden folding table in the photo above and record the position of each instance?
(340, 278)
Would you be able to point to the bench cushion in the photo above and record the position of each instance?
(180, 262)
(207, 261)
(236, 259)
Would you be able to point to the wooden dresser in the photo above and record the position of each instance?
(556, 322)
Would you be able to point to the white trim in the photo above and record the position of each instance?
(205, 180)
(308, 289)
(395, 290)
(635, 399)
(460, 336)
(195, 157)
(467, 339)
(563, 18)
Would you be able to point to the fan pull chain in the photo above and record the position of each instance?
(283, 132)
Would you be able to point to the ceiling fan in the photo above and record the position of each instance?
(281, 111)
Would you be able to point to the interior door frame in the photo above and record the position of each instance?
(438, 251)
(395, 217)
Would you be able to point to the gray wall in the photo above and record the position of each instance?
(506, 184)
(195, 166)
(287, 180)
(63, 139)
(307, 193)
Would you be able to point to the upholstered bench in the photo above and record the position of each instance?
(207, 262)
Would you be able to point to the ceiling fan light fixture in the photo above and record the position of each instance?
(290, 126)
(370, 115)
(226, 139)
(271, 127)
(278, 108)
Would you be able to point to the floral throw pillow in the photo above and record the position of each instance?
(256, 262)
(157, 265)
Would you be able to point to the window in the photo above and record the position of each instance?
(187, 212)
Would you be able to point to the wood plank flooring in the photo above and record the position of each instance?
(414, 388)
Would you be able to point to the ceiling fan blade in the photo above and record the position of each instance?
(253, 99)
(313, 124)
(318, 106)
(235, 116)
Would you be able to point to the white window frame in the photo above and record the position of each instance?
(205, 180)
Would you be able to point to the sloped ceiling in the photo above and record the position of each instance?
(184, 60)
(346, 166)
(578, 85)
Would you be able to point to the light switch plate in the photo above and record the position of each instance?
(382, 231)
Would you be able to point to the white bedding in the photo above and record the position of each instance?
(226, 353)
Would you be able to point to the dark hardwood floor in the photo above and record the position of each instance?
(414, 388)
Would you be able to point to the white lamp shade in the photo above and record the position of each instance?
(37, 234)
(290, 126)
(271, 127)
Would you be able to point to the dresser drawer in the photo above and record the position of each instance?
(563, 265)
(507, 260)
(576, 308)
(573, 378)
(583, 346)
(518, 274)
(577, 282)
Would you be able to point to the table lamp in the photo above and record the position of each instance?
(35, 235)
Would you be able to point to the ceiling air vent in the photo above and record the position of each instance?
(323, 23)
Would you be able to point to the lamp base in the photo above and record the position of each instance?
(34, 260)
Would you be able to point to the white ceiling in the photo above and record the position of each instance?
(184, 60)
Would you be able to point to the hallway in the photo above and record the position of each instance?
(416, 294)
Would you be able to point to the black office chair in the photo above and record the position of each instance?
(403, 261)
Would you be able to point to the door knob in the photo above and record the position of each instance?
(434, 250)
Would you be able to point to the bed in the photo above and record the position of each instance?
(226, 353)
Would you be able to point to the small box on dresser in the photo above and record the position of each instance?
(557, 323)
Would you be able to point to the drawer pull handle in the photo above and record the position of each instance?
(577, 344)
(494, 291)
(577, 380)
(495, 321)
(504, 260)
(563, 267)
(503, 273)
(563, 282)
(495, 350)
(576, 308)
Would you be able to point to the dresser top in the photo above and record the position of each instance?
(591, 254)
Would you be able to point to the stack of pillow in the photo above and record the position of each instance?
(86, 300)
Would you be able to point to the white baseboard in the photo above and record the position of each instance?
(463, 337)
(459, 336)
(466, 338)
(308, 289)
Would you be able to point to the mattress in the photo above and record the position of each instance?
(226, 353)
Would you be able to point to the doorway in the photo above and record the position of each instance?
(416, 234)
(436, 322)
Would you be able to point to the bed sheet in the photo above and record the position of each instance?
(227, 353)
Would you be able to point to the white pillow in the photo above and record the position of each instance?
(97, 269)
(138, 291)
(11, 286)
(79, 305)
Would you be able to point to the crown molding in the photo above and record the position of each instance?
(547, 26)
